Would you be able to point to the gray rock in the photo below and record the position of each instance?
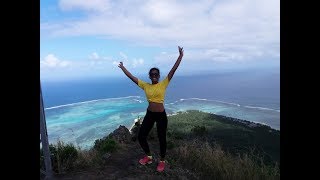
(121, 135)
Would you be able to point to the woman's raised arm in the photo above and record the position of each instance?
(134, 79)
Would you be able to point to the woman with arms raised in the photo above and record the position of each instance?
(155, 93)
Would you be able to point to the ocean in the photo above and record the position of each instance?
(82, 111)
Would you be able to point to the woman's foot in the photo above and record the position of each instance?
(161, 166)
(145, 160)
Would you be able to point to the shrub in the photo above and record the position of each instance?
(199, 130)
(63, 157)
(105, 145)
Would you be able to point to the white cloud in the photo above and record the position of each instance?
(198, 24)
(91, 5)
(97, 59)
(174, 21)
(94, 56)
(123, 56)
(108, 58)
(51, 61)
(221, 54)
(220, 31)
(137, 62)
(52, 67)
(126, 62)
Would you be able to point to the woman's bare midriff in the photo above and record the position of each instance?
(155, 107)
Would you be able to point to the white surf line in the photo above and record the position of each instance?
(83, 102)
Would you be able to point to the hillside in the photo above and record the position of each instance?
(200, 146)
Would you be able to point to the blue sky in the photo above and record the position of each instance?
(82, 38)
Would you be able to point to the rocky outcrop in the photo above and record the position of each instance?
(121, 135)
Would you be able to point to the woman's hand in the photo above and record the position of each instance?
(120, 65)
(180, 50)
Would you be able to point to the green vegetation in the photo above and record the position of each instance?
(211, 162)
(220, 148)
(234, 137)
(63, 157)
(66, 157)
(105, 145)
(215, 147)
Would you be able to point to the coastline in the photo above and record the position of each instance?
(250, 124)
(85, 135)
(247, 123)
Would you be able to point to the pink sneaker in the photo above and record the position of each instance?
(145, 160)
(161, 166)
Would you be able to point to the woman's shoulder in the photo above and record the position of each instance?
(165, 80)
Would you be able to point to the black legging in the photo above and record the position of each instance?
(147, 124)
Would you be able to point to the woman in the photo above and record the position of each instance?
(155, 94)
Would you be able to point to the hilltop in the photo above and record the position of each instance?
(200, 146)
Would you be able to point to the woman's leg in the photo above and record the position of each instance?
(162, 123)
(145, 128)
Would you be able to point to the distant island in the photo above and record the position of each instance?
(200, 145)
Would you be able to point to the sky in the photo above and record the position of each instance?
(82, 38)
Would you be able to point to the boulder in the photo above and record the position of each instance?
(121, 135)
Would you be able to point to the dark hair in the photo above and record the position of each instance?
(154, 68)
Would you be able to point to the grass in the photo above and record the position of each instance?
(234, 137)
(212, 146)
(66, 157)
(211, 162)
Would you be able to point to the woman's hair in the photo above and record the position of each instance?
(154, 68)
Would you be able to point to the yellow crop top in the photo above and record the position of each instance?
(154, 92)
